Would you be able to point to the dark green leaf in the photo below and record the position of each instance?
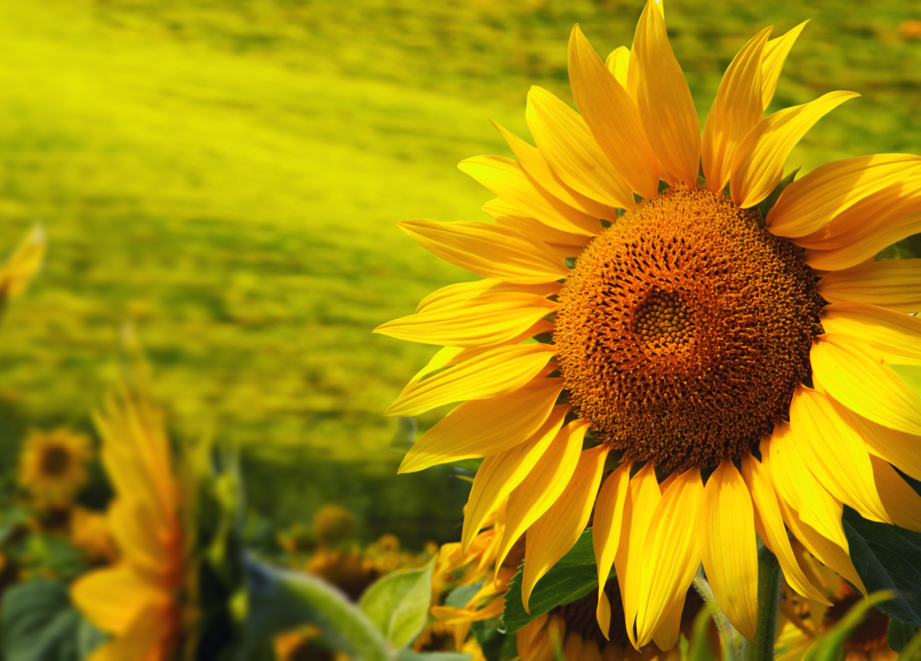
(571, 578)
(460, 596)
(887, 557)
(904, 249)
(496, 645)
(398, 604)
(39, 623)
(768, 203)
(899, 635)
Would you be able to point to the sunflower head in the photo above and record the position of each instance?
(333, 524)
(350, 571)
(53, 465)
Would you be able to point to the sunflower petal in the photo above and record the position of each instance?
(896, 447)
(494, 372)
(499, 474)
(535, 229)
(775, 54)
(488, 250)
(889, 283)
(533, 497)
(808, 204)
(460, 294)
(851, 374)
(488, 320)
(613, 118)
(565, 140)
(672, 553)
(93, 592)
(797, 486)
(22, 266)
(736, 109)
(618, 63)
(643, 496)
(508, 180)
(557, 531)
(893, 336)
(760, 159)
(664, 100)
(901, 501)
(606, 530)
(770, 527)
(729, 548)
(483, 427)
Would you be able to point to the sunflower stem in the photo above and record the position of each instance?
(727, 632)
(768, 601)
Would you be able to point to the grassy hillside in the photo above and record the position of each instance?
(227, 177)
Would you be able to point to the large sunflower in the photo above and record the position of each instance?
(651, 311)
(137, 600)
(52, 466)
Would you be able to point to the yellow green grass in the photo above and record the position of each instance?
(227, 177)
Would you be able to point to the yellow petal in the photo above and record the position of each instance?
(488, 320)
(643, 496)
(23, 264)
(671, 553)
(508, 180)
(538, 169)
(618, 63)
(501, 473)
(770, 527)
(889, 283)
(565, 140)
(112, 598)
(557, 531)
(893, 336)
(775, 54)
(736, 109)
(851, 374)
(901, 501)
(495, 372)
(861, 231)
(808, 204)
(151, 634)
(667, 635)
(729, 548)
(896, 447)
(613, 118)
(834, 453)
(543, 486)
(797, 486)
(606, 530)
(759, 163)
(483, 427)
(664, 100)
(488, 250)
(533, 228)
(460, 294)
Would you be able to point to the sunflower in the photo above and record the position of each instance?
(52, 466)
(137, 600)
(89, 531)
(666, 320)
(806, 620)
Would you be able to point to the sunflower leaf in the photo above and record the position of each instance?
(887, 557)
(495, 644)
(570, 579)
(399, 604)
(899, 635)
(39, 622)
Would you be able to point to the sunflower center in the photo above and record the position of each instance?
(55, 461)
(684, 328)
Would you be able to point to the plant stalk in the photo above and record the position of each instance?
(768, 602)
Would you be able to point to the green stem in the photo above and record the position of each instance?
(727, 633)
(768, 601)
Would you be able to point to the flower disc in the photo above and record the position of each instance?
(684, 329)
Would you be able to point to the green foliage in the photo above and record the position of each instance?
(573, 577)
(899, 635)
(887, 558)
(830, 645)
(398, 604)
(496, 643)
(40, 624)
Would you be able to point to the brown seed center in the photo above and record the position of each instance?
(55, 461)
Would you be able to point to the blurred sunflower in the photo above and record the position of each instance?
(693, 314)
(22, 265)
(137, 599)
(89, 531)
(52, 466)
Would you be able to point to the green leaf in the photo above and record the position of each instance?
(571, 578)
(398, 604)
(899, 635)
(829, 645)
(409, 655)
(887, 557)
(39, 622)
(700, 638)
(911, 651)
(280, 600)
(496, 645)
(905, 249)
(461, 596)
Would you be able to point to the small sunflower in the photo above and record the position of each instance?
(89, 531)
(137, 600)
(52, 465)
(663, 320)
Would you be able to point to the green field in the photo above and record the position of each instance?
(227, 177)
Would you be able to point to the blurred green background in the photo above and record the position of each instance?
(227, 177)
